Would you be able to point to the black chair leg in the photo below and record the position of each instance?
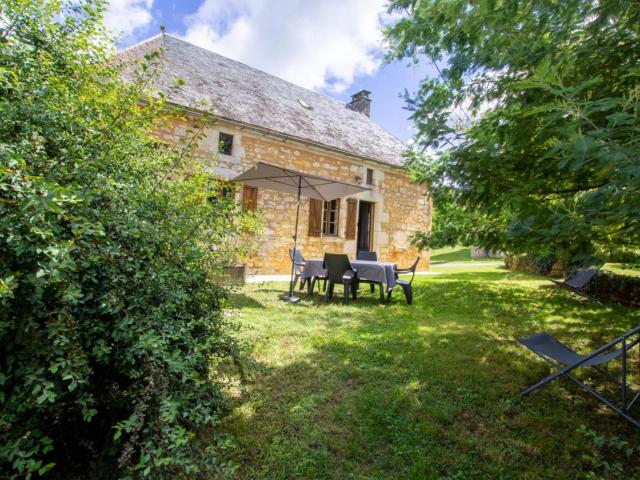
(311, 285)
(408, 293)
(328, 292)
(372, 287)
(302, 283)
(347, 287)
(389, 296)
(324, 285)
(381, 293)
(354, 290)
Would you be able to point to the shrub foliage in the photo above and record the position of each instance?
(110, 319)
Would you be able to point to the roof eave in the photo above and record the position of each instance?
(267, 131)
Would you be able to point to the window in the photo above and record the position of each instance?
(330, 215)
(369, 176)
(222, 191)
(225, 143)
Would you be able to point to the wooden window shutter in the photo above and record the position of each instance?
(352, 214)
(315, 217)
(249, 198)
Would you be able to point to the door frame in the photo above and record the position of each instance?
(372, 209)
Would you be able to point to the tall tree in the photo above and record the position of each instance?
(534, 115)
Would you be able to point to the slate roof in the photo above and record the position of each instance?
(235, 91)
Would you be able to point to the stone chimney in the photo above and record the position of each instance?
(360, 102)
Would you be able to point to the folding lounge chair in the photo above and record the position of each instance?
(565, 360)
(578, 280)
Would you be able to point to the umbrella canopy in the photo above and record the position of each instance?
(284, 180)
(263, 175)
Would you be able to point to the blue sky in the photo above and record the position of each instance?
(334, 47)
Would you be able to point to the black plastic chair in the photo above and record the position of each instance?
(298, 266)
(340, 271)
(405, 284)
(564, 361)
(324, 277)
(369, 257)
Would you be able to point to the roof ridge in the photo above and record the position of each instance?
(328, 97)
(148, 40)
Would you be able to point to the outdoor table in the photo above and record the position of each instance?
(383, 272)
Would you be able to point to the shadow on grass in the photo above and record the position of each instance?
(422, 391)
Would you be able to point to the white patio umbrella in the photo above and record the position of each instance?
(284, 180)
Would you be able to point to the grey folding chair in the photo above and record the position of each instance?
(578, 280)
(565, 360)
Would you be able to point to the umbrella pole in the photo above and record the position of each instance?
(291, 297)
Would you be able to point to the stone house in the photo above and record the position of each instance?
(255, 117)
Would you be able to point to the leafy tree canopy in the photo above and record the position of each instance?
(534, 115)
(111, 330)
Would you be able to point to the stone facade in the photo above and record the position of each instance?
(400, 207)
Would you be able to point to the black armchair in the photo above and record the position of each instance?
(339, 271)
(405, 284)
(366, 255)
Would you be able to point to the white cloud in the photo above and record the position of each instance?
(124, 17)
(317, 44)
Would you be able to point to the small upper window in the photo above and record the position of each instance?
(369, 176)
(225, 143)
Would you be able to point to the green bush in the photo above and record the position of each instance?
(623, 255)
(110, 325)
(610, 287)
(540, 264)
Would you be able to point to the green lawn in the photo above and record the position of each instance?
(455, 254)
(629, 269)
(373, 391)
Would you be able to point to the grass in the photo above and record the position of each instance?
(455, 254)
(371, 391)
(629, 269)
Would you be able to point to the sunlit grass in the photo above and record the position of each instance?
(455, 254)
(632, 270)
(370, 391)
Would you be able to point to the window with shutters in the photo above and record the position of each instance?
(330, 216)
(249, 198)
(222, 191)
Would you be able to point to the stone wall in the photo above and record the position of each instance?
(400, 207)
